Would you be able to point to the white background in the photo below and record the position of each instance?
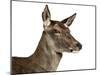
(4, 38)
(27, 27)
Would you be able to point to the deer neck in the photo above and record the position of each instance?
(45, 54)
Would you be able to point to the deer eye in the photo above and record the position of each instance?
(56, 31)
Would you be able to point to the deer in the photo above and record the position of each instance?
(56, 38)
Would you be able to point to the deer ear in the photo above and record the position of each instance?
(46, 16)
(68, 21)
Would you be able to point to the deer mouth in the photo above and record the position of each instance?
(74, 51)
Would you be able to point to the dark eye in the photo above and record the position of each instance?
(56, 31)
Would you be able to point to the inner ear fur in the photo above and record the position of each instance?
(68, 21)
(46, 16)
(46, 13)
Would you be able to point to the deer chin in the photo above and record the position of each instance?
(72, 50)
(75, 52)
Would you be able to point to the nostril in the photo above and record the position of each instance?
(79, 45)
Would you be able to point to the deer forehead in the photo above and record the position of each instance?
(56, 26)
(60, 27)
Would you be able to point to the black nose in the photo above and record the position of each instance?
(71, 50)
(79, 45)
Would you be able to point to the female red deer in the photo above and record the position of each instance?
(55, 40)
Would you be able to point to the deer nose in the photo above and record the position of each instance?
(79, 45)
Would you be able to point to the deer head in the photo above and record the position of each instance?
(58, 33)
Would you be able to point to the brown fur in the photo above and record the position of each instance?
(56, 38)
